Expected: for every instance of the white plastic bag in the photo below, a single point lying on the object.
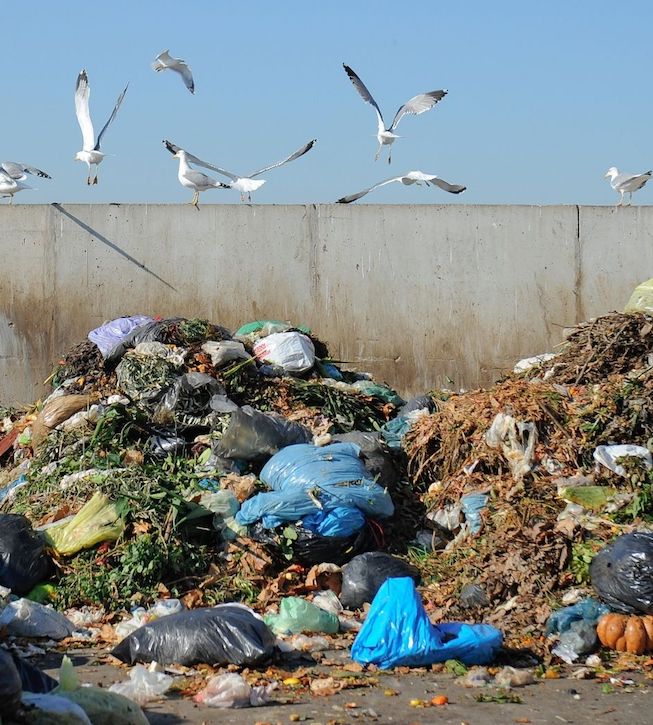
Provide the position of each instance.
(24, 618)
(517, 441)
(225, 351)
(292, 351)
(608, 455)
(143, 685)
(231, 690)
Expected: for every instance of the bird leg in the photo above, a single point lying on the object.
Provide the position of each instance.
(96, 173)
(630, 197)
(242, 196)
(196, 199)
(378, 153)
(389, 154)
(249, 198)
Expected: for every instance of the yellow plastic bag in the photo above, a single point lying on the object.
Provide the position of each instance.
(641, 299)
(96, 521)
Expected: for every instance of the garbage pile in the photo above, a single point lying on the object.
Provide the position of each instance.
(525, 482)
(173, 456)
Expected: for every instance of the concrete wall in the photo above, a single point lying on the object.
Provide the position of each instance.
(418, 295)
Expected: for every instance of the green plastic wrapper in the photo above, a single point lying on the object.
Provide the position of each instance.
(298, 615)
(641, 299)
(97, 521)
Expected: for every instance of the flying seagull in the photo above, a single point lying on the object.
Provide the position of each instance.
(626, 182)
(191, 178)
(412, 177)
(19, 171)
(164, 61)
(416, 105)
(10, 185)
(244, 184)
(90, 153)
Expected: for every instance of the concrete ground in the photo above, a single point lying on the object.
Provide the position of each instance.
(387, 699)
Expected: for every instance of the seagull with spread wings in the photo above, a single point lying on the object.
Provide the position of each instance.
(412, 177)
(244, 184)
(626, 183)
(18, 171)
(416, 105)
(164, 61)
(191, 178)
(90, 153)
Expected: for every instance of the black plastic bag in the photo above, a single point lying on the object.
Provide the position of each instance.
(10, 686)
(188, 400)
(32, 678)
(622, 573)
(23, 561)
(253, 435)
(418, 403)
(222, 635)
(378, 461)
(310, 548)
(363, 576)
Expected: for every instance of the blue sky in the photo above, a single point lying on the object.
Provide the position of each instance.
(543, 96)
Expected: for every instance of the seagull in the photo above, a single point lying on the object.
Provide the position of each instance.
(626, 182)
(164, 61)
(416, 105)
(244, 184)
(90, 153)
(412, 177)
(19, 171)
(10, 185)
(190, 178)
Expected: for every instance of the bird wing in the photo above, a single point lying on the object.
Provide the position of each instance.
(635, 181)
(173, 148)
(111, 117)
(159, 61)
(17, 170)
(82, 93)
(200, 179)
(418, 104)
(365, 95)
(184, 71)
(359, 194)
(300, 152)
(446, 186)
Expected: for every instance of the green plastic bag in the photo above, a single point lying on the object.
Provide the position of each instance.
(97, 521)
(297, 615)
(374, 390)
(641, 299)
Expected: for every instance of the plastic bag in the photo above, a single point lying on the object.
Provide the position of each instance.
(228, 633)
(144, 378)
(342, 521)
(32, 678)
(292, 351)
(641, 299)
(52, 709)
(225, 352)
(23, 561)
(622, 573)
(143, 686)
(587, 610)
(253, 435)
(307, 478)
(374, 390)
(98, 520)
(376, 458)
(188, 402)
(10, 686)
(516, 439)
(397, 631)
(297, 615)
(608, 456)
(107, 336)
(579, 639)
(231, 690)
(55, 411)
(262, 328)
(24, 618)
(365, 574)
(473, 505)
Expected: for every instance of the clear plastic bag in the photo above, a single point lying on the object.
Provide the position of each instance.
(24, 618)
(292, 351)
(143, 685)
(231, 690)
(297, 615)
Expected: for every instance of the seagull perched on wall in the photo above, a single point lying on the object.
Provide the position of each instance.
(412, 177)
(190, 177)
(626, 182)
(244, 184)
(416, 105)
(90, 153)
(164, 61)
(10, 185)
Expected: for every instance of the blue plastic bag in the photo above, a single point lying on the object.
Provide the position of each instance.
(394, 430)
(341, 521)
(472, 505)
(397, 631)
(587, 610)
(306, 479)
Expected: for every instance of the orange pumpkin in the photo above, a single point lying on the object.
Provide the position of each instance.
(626, 632)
